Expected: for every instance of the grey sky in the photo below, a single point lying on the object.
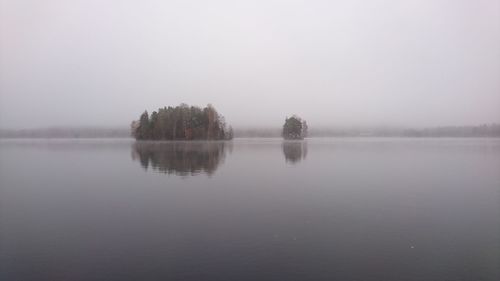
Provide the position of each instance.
(97, 62)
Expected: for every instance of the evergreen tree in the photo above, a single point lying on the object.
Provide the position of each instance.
(294, 128)
(143, 130)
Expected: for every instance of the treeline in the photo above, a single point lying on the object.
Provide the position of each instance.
(63, 132)
(182, 122)
(488, 130)
(484, 130)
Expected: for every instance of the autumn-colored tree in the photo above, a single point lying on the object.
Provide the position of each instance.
(181, 123)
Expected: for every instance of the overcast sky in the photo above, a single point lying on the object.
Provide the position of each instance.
(335, 63)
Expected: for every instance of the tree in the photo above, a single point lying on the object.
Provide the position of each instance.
(143, 130)
(181, 122)
(134, 128)
(294, 128)
(230, 133)
(153, 122)
(304, 129)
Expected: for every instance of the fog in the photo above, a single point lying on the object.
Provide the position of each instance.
(335, 63)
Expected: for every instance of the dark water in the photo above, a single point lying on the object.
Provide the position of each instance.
(325, 209)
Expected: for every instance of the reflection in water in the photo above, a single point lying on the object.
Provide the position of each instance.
(180, 158)
(387, 209)
(294, 151)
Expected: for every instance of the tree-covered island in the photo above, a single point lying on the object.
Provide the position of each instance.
(294, 128)
(182, 122)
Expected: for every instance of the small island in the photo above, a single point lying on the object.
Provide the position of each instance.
(182, 122)
(294, 128)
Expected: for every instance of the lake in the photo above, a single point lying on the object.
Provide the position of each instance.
(250, 209)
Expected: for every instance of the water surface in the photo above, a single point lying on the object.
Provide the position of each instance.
(256, 209)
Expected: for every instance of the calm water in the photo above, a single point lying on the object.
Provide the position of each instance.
(324, 209)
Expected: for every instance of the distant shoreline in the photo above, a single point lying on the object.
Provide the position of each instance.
(482, 131)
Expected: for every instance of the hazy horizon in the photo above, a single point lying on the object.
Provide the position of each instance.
(334, 63)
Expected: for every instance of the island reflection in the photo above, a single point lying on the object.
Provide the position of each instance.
(294, 151)
(180, 158)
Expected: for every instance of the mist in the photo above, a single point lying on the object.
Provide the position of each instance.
(335, 63)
